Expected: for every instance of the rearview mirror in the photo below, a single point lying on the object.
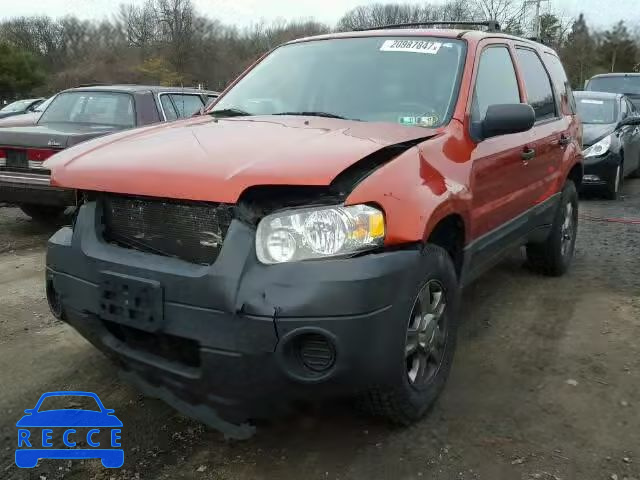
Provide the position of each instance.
(506, 119)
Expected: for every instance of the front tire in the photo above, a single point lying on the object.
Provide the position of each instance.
(553, 257)
(612, 190)
(46, 214)
(425, 358)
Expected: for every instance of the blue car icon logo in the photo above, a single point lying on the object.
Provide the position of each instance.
(57, 433)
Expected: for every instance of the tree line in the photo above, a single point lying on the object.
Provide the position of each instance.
(169, 42)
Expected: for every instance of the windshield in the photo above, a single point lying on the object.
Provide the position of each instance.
(628, 85)
(411, 81)
(19, 106)
(597, 110)
(42, 107)
(91, 108)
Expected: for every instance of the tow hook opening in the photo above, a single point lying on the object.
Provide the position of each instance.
(54, 300)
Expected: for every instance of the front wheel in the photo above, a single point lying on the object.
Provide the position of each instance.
(553, 257)
(425, 357)
(47, 214)
(612, 190)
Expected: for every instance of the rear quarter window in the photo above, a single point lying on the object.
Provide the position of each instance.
(561, 83)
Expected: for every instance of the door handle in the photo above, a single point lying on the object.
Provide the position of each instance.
(528, 154)
(565, 140)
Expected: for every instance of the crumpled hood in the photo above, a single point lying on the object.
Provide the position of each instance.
(216, 160)
(593, 133)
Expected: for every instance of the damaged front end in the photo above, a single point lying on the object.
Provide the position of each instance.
(174, 291)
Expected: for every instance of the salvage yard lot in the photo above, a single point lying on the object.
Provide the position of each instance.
(546, 381)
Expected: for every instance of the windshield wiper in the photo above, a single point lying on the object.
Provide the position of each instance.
(314, 114)
(230, 112)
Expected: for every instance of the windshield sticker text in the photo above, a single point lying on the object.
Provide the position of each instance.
(429, 121)
(413, 46)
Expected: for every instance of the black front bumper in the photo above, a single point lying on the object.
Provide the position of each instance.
(229, 332)
(32, 187)
(603, 167)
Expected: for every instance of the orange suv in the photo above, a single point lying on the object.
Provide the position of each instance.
(309, 234)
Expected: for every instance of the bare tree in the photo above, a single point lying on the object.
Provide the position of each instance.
(139, 24)
(377, 15)
(509, 13)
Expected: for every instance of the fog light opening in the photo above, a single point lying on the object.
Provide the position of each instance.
(309, 356)
(315, 352)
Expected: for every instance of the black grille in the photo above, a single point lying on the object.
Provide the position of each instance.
(191, 231)
(175, 349)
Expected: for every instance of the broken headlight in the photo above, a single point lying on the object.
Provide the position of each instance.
(320, 232)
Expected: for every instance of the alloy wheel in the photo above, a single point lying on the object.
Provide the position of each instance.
(426, 334)
(568, 230)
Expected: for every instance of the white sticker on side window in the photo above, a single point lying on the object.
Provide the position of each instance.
(593, 102)
(412, 46)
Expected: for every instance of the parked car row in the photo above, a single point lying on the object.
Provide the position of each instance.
(74, 116)
(20, 107)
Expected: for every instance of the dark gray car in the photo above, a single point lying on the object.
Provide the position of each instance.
(625, 83)
(611, 149)
(74, 116)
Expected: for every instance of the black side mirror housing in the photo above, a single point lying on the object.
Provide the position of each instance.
(508, 118)
(633, 121)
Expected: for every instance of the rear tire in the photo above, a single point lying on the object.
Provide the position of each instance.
(612, 190)
(430, 334)
(553, 257)
(46, 214)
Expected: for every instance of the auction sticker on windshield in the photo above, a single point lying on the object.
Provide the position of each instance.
(413, 46)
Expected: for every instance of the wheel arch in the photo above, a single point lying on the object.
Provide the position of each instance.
(450, 234)
(575, 175)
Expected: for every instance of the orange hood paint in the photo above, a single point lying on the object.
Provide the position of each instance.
(216, 160)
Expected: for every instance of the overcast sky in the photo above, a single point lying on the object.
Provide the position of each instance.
(245, 12)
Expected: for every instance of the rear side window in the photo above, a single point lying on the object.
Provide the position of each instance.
(186, 105)
(496, 82)
(561, 82)
(180, 105)
(538, 84)
(167, 106)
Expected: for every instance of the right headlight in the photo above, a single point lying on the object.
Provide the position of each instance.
(319, 232)
(599, 148)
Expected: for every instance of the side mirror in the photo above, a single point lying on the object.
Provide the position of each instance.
(633, 121)
(508, 118)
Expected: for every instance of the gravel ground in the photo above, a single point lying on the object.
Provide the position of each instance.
(546, 381)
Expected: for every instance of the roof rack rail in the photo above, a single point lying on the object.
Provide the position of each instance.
(90, 85)
(492, 25)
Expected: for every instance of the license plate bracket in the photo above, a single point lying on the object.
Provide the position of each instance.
(17, 159)
(131, 301)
